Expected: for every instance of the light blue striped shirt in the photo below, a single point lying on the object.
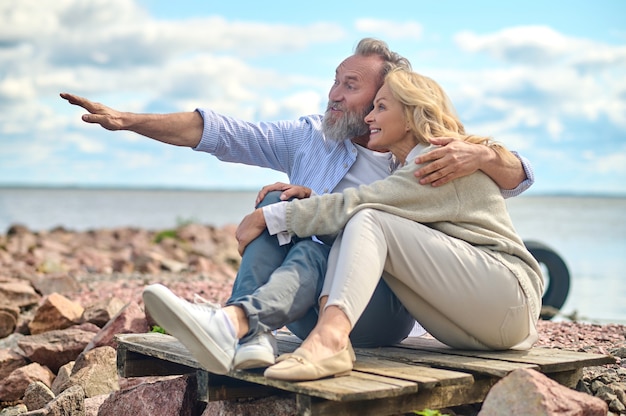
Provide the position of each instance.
(296, 147)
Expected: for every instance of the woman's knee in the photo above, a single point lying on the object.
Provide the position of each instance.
(362, 218)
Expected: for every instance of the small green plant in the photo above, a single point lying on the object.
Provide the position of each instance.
(162, 235)
(429, 412)
(156, 328)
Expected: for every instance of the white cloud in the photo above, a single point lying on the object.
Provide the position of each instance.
(613, 163)
(83, 143)
(555, 128)
(528, 44)
(545, 79)
(582, 78)
(387, 29)
(296, 105)
(102, 33)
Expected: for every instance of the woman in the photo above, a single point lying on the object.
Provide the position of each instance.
(450, 253)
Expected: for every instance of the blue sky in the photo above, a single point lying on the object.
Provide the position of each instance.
(547, 79)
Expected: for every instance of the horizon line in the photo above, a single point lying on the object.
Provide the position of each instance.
(245, 189)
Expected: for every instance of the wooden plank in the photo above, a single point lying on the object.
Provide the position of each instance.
(426, 377)
(568, 378)
(161, 346)
(547, 359)
(357, 386)
(436, 398)
(213, 387)
(133, 364)
(475, 365)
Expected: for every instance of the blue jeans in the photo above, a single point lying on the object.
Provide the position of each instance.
(279, 286)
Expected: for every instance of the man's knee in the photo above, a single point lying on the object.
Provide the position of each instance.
(308, 251)
(271, 198)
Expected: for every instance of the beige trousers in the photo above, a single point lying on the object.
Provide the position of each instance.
(461, 295)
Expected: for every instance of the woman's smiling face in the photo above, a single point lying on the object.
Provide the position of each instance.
(388, 125)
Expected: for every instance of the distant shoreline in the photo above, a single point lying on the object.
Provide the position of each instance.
(124, 188)
(528, 194)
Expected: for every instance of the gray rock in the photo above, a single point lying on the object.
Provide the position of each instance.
(37, 396)
(96, 372)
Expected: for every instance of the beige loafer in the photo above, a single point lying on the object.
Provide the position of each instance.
(298, 366)
(287, 355)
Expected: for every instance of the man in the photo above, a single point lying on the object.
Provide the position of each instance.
(278, 285)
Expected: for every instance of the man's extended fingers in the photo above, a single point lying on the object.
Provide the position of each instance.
(73, 99)
(81, 102)
(93, 118)
(429, 169)
(435, 174)
(293, 192)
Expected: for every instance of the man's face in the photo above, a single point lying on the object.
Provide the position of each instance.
(357, 80)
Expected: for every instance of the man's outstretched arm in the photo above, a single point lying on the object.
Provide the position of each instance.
(179, 129)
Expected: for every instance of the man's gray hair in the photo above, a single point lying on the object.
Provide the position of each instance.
(391, 60)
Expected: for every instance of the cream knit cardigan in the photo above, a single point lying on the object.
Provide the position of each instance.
(470, 208)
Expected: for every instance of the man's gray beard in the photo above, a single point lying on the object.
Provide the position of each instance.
(349, 126)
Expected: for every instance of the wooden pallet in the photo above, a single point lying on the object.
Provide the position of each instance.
(417, 374)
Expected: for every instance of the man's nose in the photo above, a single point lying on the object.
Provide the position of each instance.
(335, 94)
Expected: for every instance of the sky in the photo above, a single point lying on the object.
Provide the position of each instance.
(545, 78)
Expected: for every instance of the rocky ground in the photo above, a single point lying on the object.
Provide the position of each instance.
(86, 267)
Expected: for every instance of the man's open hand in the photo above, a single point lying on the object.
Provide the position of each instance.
(100, 114)
(454, 159)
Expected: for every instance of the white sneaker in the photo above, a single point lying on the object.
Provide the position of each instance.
(259, 352)
(201, 327)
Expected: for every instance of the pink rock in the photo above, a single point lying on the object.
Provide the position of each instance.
(55, 282)
(20, 242)
(10, 361)
(101, 312)
(130, 320)
(201, 265)
(92, 404)
(13, 387)
(88, 326)
(18, 294)
(94, 260)
(55, 348)
(175, 396)
(56, 312)
(8, 320)
(62, 380)
(529, 393)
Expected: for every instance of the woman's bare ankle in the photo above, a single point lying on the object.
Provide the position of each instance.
(325, 342)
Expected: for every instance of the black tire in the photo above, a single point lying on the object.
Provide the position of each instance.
(557, 279)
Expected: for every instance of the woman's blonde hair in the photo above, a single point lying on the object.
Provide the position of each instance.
(428, 110)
